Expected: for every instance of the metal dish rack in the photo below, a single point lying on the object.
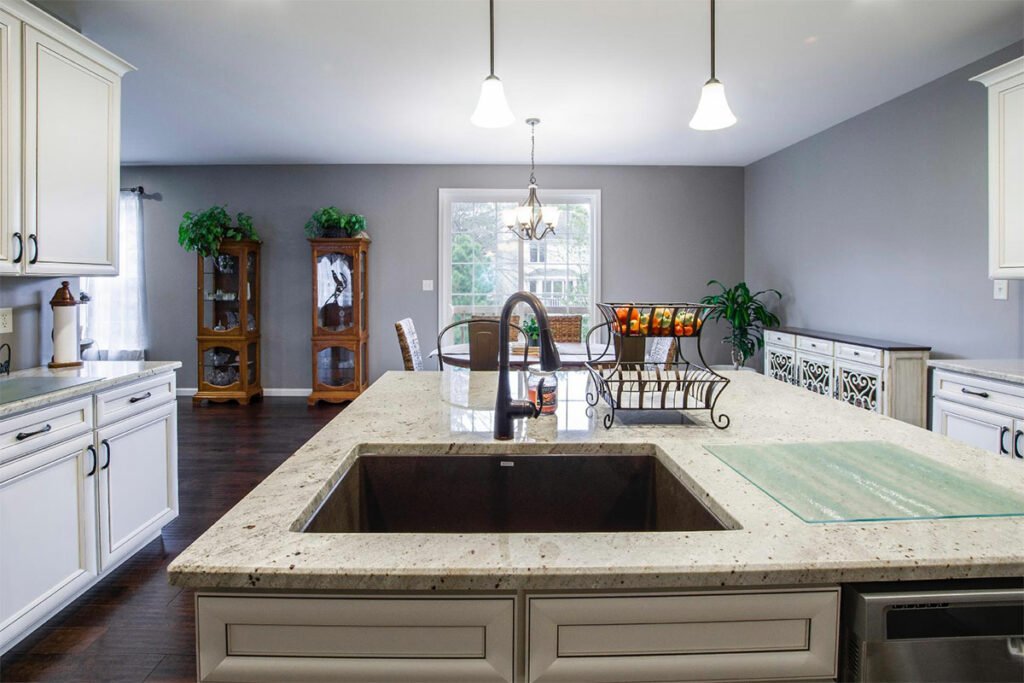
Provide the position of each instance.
(677, 384)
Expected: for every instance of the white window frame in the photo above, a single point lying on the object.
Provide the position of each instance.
(446, 196)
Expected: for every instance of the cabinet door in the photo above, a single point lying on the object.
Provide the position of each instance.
(859, 385)
(780, 363)
(1006, 178)
(979, 428)
(11, 238)
(814, 373)
(47, 532)
(72, 157)
(138, 481)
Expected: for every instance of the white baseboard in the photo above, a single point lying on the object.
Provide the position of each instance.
(283, 392)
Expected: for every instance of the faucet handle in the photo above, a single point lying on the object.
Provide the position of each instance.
(539, 405)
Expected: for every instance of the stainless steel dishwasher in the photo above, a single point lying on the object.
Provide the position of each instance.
(934, 631)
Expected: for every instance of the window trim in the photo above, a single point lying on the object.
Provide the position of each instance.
(448, 195)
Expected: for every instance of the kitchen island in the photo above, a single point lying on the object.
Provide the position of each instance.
(787, 570)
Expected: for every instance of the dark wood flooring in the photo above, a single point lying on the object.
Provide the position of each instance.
(133, 625)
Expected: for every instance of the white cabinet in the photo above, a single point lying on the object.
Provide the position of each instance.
(60, 129)
(1005, 168)
(979, 428)
(138, 492)
(889, 378)
(47, 533)
(982, 412)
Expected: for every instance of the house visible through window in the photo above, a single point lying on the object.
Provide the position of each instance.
(482, 262)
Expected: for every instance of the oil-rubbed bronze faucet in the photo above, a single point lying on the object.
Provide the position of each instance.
(506, 410)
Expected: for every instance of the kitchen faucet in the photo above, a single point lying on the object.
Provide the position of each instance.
(506, 410)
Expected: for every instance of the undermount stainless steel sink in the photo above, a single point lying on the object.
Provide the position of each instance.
(509, 494)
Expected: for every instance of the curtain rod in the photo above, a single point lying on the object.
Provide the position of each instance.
(137, 188)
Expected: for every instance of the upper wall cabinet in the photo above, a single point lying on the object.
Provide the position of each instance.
(1005, 168)
(60, 155)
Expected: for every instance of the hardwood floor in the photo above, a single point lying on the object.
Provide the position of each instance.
(133, 625)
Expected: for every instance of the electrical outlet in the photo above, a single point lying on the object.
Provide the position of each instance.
(999, 288)
(6, 321)
(428, 285)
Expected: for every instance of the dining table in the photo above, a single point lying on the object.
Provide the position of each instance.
(572, 354)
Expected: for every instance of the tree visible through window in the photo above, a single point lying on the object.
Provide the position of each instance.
(487, 263)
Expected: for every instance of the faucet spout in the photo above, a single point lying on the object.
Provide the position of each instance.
(506, 410)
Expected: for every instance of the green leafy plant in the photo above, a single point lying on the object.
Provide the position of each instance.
(747, 316)
(531, 329)
(330, 222)
(204, 231)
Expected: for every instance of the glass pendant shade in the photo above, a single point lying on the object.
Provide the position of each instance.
(508, 217)
(549, 215)
(492, 109)
(713, 112)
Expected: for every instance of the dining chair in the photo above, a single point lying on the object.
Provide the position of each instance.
(483, 342)
(566, 328)
(661, 351)
(409, 343)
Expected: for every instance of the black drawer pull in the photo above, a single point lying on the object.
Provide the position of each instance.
(25, 435)
(21, 247)
(106, 444)
(1003, 450)
(136, 399)
(972, 392)
(1016, 444)
(95, 460)
(35, 250)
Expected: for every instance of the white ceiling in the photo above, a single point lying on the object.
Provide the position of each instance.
(614, 81)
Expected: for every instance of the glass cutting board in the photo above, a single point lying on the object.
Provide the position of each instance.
(862, 481)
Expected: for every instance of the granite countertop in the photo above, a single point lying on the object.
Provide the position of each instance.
(871, 342)
(258, 544)
(1005, 369)
(103, 375)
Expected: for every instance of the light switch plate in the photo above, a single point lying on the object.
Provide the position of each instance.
(999, 288)
(6, 321)
(428, 285)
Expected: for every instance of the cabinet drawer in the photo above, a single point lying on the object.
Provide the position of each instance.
(779, 338)
(976, 391)
(278, 639)
(860, 354)
(131, 399)
(814, 345)
(687, 637)
(37, 429)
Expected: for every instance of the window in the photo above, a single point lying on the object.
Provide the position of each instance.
(482, 263)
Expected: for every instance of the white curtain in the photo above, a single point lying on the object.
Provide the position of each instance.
(116, 316)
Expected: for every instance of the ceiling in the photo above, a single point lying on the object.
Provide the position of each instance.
(614, 81)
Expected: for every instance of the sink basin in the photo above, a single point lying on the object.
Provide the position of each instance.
(509, 494)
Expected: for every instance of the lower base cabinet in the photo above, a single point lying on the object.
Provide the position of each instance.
(981, 412)
(698, 636)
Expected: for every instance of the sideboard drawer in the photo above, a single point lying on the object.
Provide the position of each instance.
(779, 338)
(36, 429)
(131, 399)
(687, 637)
(822, 346)
(293, 638)
(860, 354)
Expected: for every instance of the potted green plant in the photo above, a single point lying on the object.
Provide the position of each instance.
(330, 222)
(747, 316)
(204, 231)
(532, 331)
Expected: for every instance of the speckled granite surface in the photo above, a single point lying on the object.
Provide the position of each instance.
(257, 544)
(105, 373)
(1005, 369)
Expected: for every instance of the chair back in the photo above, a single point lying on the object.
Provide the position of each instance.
(661, 351)
(484, 345)
(409, 344)
(566, 328)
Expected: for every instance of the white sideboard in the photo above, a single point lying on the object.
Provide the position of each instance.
(1005, 168)
(60, 147)
(885, 377)
(84, 483)
(984, 410)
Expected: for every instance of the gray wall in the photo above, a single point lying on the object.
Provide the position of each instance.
(31, 342)
(665, 232)
(878, 226)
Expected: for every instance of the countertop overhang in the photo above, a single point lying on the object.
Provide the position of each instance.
(258, 545)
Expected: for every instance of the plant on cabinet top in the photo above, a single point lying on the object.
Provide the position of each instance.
(204, 231)
(330, 222)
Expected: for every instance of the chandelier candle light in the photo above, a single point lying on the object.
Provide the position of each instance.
(713, 112)
(491, 109)
(531, 220)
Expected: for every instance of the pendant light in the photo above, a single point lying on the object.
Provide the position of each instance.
(491, 109)
(713, 111)
(531, 220)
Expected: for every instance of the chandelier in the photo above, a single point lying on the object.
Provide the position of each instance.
(531, 220)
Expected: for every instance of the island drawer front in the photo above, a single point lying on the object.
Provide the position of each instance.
(860, 354)
(822, 346)
(131, 399)
(29, 432)
(684, 637)
(315, 638)
(980, 392)
(779, 338)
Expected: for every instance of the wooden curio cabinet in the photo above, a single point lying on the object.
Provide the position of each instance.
(228, 337)
(340, 326)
